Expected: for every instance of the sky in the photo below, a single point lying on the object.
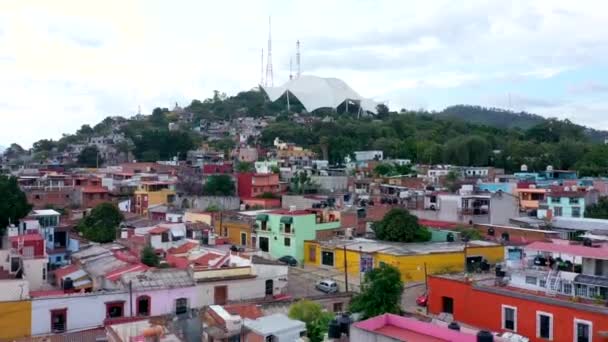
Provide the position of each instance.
(68, 63)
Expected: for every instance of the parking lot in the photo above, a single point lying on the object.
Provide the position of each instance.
(302, 280)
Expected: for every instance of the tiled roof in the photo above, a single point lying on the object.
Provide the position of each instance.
(117, 273)
(94, 190)
(64, 271)
(249, 311)
(206, 259)
(26, 237)
(158, 230)
(183, 248)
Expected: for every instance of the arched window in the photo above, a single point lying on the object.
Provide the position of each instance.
(143, 305)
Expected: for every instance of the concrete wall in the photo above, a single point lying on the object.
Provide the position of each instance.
(16, 319)
(331, 183)
(203, 202)
(34, 271)
(14, 290)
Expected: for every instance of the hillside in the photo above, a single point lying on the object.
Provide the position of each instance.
(505, 119)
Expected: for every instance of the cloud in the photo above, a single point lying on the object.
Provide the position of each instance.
(587, 88)
(67, 63)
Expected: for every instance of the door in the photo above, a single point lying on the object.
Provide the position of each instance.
(269, 287)
(327, 258)
(264, 244)
(220, 295)
(181, 306)
(243, 239)
(448, 304)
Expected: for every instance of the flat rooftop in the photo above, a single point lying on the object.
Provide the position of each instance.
(399, 248)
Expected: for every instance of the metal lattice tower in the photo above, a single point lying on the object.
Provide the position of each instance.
(298, 59)
(269, 75)
(290, 70)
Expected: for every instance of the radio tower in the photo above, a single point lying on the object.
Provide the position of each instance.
(290, 70)
(269, 76)
(262, 69)
(298, 59)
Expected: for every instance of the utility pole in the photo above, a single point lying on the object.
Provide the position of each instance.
(131, 297)
(426, 289)
(345, 270)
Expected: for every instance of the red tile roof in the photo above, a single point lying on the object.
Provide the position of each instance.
(206, 259)
(438, 224)
(117, 273)
(64, 271)
(183, 248)
(94, 190)
(250, 311)
(287, 212)
(158, 230)
(574, 250)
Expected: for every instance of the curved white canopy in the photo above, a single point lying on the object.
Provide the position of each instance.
(318, 92)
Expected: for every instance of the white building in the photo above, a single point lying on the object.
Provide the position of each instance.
(363, 156)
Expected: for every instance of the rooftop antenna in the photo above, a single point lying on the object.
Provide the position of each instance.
(262, 69)
(290, 72)
(298, 59)
(269, 76)
(139, 110)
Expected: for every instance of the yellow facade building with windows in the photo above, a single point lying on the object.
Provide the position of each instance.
(16, 319)
(410, 258)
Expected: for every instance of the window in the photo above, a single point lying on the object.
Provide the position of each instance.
(244, 239)
(581, 290)
(576, 212)
(542, 283)
(143, 306)
(269, 287)
(573, 200)
(164, 237)
(509, 318)
(531, 280)
(567, 288)
(115, 309)
(555, 199)
(181, 306)
(557, 211)
(338, 307)
(544, 325)
(312, 253)
(583, 331)
(43, 272)
(59, 320)
(264, 225)
(287, 242)
(592, 291)
(287, 228)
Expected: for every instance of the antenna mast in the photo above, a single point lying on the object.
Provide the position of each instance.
(298, 59)
(269, 76)
(290, 72)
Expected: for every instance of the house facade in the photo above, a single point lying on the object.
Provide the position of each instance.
(283, 232)
(152, 193)
(566, 203)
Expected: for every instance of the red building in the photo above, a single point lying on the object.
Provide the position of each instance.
(528, 313)
(94, 195)
(217, 168)
(29, 245)
(255, 184)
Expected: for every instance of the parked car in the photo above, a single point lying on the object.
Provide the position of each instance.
(288, 260)
(422, 300)
(327, 286)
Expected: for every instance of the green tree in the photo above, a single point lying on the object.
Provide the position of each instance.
(316, 318)
(219, 185)
(149, 257)
(400, 226)
(101, 224)
(301, 183)
(159, 118)
(380, 292)
(384, 169)
(598, 210)
(451, 181)
(89, 157)
(275, 169)
(244, 167)
(13, 202)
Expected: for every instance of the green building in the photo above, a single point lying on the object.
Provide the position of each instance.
(283, 232)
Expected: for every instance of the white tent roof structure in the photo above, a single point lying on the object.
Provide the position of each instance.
(318, 92)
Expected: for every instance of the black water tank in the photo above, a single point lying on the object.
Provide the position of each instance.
(334, 329)
(587, 243)
(68, 283)
(485, 336)
(454, 326)
(345, 321)
(450, 237)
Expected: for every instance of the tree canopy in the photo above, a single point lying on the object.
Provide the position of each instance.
(316, 318)
(149, 257)
(380, 292)
(13, 202)
(219, 185)
(598, 210)
(89, 157)
(400, 226)
(101, 224)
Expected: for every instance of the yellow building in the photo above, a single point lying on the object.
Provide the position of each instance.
(194, 215)
(151, 193)
(16, 319)
(410, 258)
(238, 232)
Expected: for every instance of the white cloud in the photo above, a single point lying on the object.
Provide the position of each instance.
(65, 63)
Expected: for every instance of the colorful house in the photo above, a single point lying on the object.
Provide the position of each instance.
(566, 202)
(237, 228)
(152, 193)
(529, 196)
(410, 258)
(283, 232)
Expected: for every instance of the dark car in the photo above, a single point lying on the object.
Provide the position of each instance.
(288, 260)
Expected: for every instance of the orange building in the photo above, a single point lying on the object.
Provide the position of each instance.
(529, 197)
(528, 313)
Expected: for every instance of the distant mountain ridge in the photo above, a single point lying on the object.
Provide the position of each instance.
(506, 119)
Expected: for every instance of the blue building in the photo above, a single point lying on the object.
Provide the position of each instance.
(566, 203)
(59, 246)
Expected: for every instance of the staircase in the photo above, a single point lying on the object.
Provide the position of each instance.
(553, 283)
